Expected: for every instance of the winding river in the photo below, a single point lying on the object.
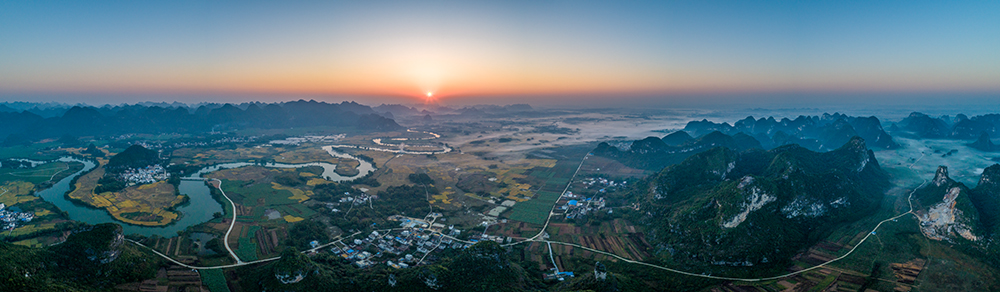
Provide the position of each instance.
(198, 210)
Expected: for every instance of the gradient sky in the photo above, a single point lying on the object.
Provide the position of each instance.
(126, 51)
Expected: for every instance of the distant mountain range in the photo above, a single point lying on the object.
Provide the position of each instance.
(727, 208)
(655, 153)
(26, 126)
(817, 133)
(919, 125)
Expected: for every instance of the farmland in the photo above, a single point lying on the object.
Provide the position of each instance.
(247, 245)
(147, 205)
(554, 181)
(214, 280)
(52, 171)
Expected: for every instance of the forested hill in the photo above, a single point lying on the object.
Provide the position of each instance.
(134, 156)
(24, 127)
(753, 208)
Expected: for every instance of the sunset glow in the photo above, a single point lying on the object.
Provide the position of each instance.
(496, 48)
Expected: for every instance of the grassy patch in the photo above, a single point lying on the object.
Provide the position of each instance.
(256, 194)
(295, 210)
(214, 280)
(536, 210)
(36, 175)
(248, 247)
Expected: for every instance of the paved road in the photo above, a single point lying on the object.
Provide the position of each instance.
(231, 224)
(238, 263)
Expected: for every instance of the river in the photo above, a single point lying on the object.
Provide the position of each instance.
(197, 210)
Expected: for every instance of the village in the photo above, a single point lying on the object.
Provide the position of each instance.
(144, 175)
(12, 218)
(408, 245)
(572, 205)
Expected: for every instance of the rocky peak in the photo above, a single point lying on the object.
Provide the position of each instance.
(857, 144)
(990, 178)
(941, 176)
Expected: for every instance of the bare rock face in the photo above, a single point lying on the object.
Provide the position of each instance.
(946, 211)
(939, 221)
(941, 176)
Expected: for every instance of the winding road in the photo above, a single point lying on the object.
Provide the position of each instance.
(231, 224)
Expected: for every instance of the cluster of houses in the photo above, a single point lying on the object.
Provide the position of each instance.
(144, 175)
(299, 140)
(11, 219)
(219, 141)
(213, 142)
(602, 184)
(349, 199)
(573, 206)
(405, 246)
(375, 248)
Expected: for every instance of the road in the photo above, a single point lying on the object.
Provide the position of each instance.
(552, 211)
(231, 224)
(238, 262)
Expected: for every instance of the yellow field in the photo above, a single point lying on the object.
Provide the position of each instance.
(292, 219)
(16, 192)
(443, 197)
(317, 181)
(302, 154)
(152, 199)
(211, 156)
(297, 194)
(32, 242)
(85, 185)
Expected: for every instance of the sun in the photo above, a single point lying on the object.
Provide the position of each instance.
(430, 94)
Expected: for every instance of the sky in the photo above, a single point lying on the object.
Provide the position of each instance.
(600, 52)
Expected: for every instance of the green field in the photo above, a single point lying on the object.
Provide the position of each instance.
(36, 175)
(248, 247)
(214, 280)
(296, 210)
(250, 195)
(555, 180)
(536, 210)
